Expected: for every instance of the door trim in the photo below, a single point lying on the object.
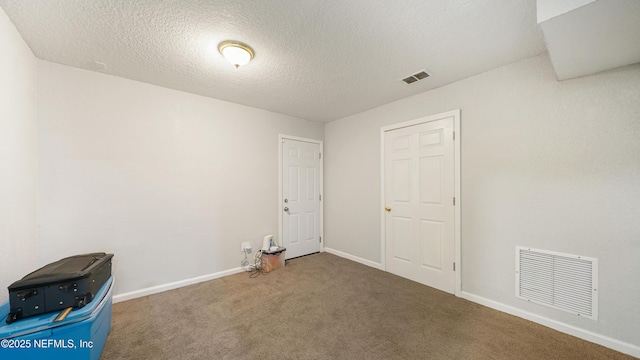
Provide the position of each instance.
(281, 138)
(456, 191)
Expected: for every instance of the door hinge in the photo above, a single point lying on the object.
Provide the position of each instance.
(454, 266)
(454, 201)
(320, 239)
(454, 136)
(320, 197)
(319, 155)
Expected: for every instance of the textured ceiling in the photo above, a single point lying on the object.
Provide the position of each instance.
(317, 60)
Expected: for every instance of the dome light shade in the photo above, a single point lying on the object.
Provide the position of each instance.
(236, 53)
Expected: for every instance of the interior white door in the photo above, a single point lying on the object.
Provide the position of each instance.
(300, 197)
(419, 190)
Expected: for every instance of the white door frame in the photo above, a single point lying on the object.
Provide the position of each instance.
(456, 191)
(281, 138)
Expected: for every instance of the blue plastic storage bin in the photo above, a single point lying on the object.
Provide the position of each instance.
(81, 335)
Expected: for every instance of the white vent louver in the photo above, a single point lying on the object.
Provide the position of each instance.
(562, 281)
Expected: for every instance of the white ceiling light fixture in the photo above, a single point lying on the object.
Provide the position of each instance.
(235, 52)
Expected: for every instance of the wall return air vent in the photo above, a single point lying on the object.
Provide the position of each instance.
(415, 77)
(561, 281)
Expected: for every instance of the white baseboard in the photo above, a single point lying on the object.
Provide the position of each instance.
(606, 341)
(174, 285)
(354, 258)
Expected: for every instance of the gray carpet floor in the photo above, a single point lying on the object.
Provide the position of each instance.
(325, 307)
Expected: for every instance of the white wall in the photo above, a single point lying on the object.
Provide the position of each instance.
(546, 164)
(18, 151)
(169, 182)
(547, 9)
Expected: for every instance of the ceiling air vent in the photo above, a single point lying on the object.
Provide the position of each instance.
(415, 77)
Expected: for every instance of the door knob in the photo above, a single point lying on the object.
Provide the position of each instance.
(286, 208)
(388, 209)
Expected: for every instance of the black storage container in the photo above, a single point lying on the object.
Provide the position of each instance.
(70, 282)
